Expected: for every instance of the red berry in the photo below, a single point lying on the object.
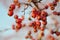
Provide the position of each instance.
(42, 33)
(58, 13)
(44, 22)
(46, 6)
(33, 15)
(38, 13)
(27, 37)
(54, 3)
(57, 33)
(35, 30)
(38, 23)
(55, 13)
(52, 7)
(33, 23)
(18, 26)
(50, 37)
(34, 27)
(43, 18)
(42, 29)
(29, 33)
(12, 6)
(43, 13)
(39, 17)
(16, 16)
(19, 20)
(30, 37)
(10, 13)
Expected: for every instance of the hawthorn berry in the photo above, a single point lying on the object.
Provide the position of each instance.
(39, 17)
(16, 16)
(54, 3)
(43, 13)
(42, 28)
(35, 30)
(10, 13)
(29, 33)
(55, 13)
(18, 26)
(44, 22)
(43, 18)
(57, 33)
(12, 7)
(46, 7)
(19, 20)
(33, 14)
(52, 7)
(38, 23)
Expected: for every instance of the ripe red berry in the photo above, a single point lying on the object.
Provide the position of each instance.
(57, 33)
(43, 13)
(58, 13)
(35, 30)
(33, 15)
(12, 6)
(50, 37)
(39, 17)
(10, 13)
(44, 22)
(38, 23)
(29, 33)
(52, 32)
(34, 12)
(18, 26)
(52, 7)
(43, 18)
(33, 23)
(19, 20)
(16, 16)
(30, 37)
(46, 6)
(27, 37)
(34, 27)
(55, 13)
(42, 29)
(42, 33)
(54, 3)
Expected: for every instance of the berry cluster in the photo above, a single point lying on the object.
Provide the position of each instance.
(39, 15)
